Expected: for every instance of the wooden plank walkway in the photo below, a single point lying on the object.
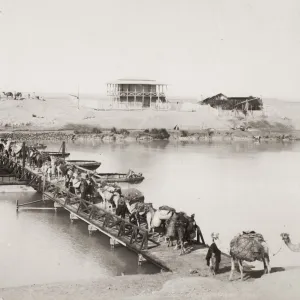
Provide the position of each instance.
(137, 239)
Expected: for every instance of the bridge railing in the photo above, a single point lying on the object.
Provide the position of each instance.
(136, 235)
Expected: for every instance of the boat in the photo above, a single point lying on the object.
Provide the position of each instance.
(56, 154)
(129, 177)
(39, 146)
(91, 165)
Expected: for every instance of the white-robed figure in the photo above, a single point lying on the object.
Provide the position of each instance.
(76, 182)
(44, 170)
(7, 146)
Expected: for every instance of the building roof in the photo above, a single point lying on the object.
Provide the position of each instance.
(136, 81)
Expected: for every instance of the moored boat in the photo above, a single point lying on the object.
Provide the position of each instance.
(39, 146)
(91, 165)
(56, 154)
(129, 177)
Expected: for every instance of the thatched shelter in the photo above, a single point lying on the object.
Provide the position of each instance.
(231, 103)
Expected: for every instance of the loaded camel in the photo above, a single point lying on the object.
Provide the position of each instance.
(249, 246)
(293, 247)
(180, 227)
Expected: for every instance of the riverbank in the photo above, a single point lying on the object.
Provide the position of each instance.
(279, 285)
(62, 120)
(148, 135)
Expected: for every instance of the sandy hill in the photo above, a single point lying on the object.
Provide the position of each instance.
(57, 113)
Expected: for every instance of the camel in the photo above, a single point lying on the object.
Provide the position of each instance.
(37, 159)
(18, 95)
(293, 247)
(249, 246)
(109, 195)
(8, 94)
(154, 218)
(140, 211)
(179, 228)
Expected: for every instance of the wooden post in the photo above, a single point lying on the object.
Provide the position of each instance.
(63, 149)
(23, 158)
(127, 99)
(17, 205)
(135, 96)
(143, 95)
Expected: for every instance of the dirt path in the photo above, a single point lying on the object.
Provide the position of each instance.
(279, 285)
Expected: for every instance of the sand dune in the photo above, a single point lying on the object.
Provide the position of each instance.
(57, 113)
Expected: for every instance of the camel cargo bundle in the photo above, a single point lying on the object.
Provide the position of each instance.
(168, 208)
(133, 195)
(171, 227)
(247, 246)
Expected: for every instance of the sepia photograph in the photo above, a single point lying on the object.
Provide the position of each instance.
(149, 149)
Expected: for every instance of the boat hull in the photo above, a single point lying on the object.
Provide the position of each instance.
(89, 165)
(56, 154)
(120, 177)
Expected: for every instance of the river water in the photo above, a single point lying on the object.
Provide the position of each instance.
(230, 187)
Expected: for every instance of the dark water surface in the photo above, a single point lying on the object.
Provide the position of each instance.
(230, 187)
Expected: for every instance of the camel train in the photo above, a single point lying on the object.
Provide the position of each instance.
(15, 96)
(174, 226)
(177, 227)
(19, 96)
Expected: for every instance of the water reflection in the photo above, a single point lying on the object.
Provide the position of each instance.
(230, 186)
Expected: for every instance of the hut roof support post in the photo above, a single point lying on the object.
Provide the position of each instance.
(150, 97)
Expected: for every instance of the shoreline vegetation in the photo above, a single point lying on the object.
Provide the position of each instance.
(253, 131)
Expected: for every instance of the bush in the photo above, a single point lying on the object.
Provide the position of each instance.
(124, 131)
(147, 131)
(33, 115)
(81, 128)
(121, 131)
(154, 131)
(96, 130)
(184, 133)
(159, 134)
(114, 130)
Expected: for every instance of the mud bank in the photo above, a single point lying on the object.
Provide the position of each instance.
(159, 134)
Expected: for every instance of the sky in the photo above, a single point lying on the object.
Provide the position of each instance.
(199, 48)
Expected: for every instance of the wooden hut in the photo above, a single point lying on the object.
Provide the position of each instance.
(230, 103)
